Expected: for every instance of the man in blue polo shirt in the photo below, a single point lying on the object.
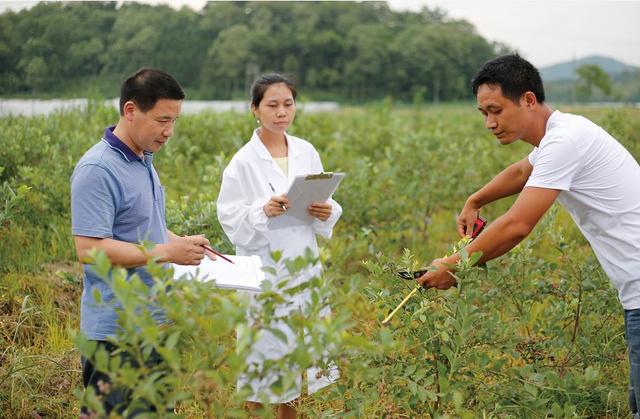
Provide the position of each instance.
(117, 202)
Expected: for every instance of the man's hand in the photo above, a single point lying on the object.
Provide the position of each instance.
(508, 182)
(467, 218)
(183, 250)
(188, 250)
(441, 278)
(277, 205)
(320, 210)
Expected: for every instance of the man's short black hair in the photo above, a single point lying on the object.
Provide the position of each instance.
(513, 74)
(148, 85)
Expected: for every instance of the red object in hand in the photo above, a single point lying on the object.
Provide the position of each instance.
(478, 226)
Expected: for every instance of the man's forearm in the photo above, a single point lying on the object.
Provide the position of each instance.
(496, 240)
(510, 229)
(508, 182)
(500, 237)
(120, 253)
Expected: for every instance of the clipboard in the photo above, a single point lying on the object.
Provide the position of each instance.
(244, 274)
(304, 190)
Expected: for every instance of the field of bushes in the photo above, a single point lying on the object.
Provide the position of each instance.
(537, 333)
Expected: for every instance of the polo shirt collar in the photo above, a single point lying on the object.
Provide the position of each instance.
(117, 144)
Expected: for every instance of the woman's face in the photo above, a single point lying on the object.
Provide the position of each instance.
(277, 109)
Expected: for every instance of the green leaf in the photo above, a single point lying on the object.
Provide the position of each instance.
(279, 334)
(172, 340)
(590, 374)
(86, 347)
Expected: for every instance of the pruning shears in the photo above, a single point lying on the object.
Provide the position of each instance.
(477, 229)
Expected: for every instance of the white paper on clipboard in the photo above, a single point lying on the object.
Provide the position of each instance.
(304, 190)
(244, 274)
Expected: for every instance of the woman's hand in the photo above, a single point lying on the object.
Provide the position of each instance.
(277, 205)
(320, 210)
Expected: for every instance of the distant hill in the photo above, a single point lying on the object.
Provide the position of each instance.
(565, 71)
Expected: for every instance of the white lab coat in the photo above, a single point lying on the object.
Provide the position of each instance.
(244, 191)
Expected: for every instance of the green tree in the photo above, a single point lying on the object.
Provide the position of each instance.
(85, 56)
(334, 49)
(592, 77)
(217, 16)
(134, 39)
(9, 53)
(441, 57)
(366, 72)
(323, 61)
(36, 73)
(227, 60)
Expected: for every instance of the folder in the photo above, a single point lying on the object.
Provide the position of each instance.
(304, 190)
(244, 274)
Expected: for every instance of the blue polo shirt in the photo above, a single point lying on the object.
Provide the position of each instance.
(114, 194)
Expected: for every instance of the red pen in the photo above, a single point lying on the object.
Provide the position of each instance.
(218, 254)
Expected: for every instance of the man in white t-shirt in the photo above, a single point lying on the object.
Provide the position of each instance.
(574, 161)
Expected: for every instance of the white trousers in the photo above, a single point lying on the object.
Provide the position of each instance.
(270, 347)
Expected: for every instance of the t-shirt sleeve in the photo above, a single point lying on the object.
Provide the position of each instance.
(94, 199)
(533, 156)
(555, 164)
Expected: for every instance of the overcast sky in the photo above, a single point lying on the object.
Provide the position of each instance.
(543, 31)
(550, 31)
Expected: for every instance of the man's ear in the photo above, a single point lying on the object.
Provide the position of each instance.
(128, 110)
(529, 99)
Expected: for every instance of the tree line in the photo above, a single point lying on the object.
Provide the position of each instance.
(335, 50)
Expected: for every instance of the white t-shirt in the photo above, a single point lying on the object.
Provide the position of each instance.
(599, 182)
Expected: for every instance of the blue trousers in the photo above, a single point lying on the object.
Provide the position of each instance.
(632, 331)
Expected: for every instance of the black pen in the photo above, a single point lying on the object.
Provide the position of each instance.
(274, 191)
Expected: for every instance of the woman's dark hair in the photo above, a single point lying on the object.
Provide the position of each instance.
(513, 74)
(148, 85)
(262, 83)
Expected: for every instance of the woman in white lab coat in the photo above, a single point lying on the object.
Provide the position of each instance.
(251, 200)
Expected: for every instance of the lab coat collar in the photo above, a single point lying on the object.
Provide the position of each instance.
(257, 144)
(293, 154)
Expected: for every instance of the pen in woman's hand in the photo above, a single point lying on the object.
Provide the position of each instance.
(274, 191)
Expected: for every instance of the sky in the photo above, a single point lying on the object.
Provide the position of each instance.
(550, 31)
(543, 31)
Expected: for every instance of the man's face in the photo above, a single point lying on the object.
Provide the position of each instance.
(504, 118)
(152, 129)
